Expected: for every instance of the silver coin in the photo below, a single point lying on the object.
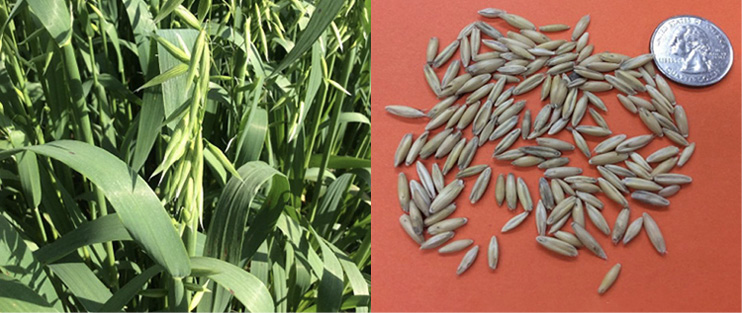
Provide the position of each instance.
(691, 50)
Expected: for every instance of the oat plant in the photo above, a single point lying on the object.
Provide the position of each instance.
(183, 155)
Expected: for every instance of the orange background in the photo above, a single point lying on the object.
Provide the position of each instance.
(701, 270)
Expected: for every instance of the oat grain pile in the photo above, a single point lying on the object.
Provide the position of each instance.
(486, 73)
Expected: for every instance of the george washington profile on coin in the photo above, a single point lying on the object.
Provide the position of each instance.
(692, 45)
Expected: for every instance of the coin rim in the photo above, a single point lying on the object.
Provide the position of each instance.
(731, 55)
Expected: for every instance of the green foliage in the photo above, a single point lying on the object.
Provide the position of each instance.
(109, 111)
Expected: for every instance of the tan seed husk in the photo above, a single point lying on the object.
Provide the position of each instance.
(420, 197)
(546, 87)
(675, 137)
(664, 88)
(581, 179)
(647, 77)
(588, 240)
(446, 54)
(491, 12)
(609, 144)
(566, 187)
(638, 170)
(611, 192)
(403, 192)
(493, 253)
(456, 117)
(561, 172)
(578, 213)
(479, 93)
(541, 218)
(517, 21)
(535, 36)
(437, 240)
(448, 144)
(566, 47)
(514, 222)
(511, 111)
(474, 83)
(545, 192)
(638, 61)
(402, 149)
(579, 111)
(654, 233)
(416, 218)
(450, 73)
(650, 198)
(447, 195)
(586, 187)
(541, 151)
(620, 85)
(681, 120)
(432, 78)
(482, 117)
(450, 224)
(468, 153)
(471, 171)
(630, 80)
(526, 161)
(558, 225)
(588, 73)
(404, 111)
(441, 106)
(441, 118)
(568, 238)
(609, 278)
(598, 118)
(652, 124)
(665, 122)
(664, 167)
(434, 143)
(440, 215)
(406, 224)
(511, 195)
(634, 228)
(453, 156)
(432, 50)
(589, 198)
(580, 27)
(464, 50)
(524, 196)
(510, 155)
(485, 66)
(561, 209)
(582, 41)
(555, 144)
(466, 30)
(487, 131)
(541, 119)
(585, 52)
(555, 162)
(581, 143)
(521, 52)
(558, 126)
(591, 130)
(488, 30)
(596, 86)
(437, 177)
(500, 189)
(612, 179)
(480, 186)
(557, 191)
(455, 246)
(561, 68)
(634, 143)
(668, 191)
(608, 158)
(526, 124)
(597, 218)
(529, 84)
(468, 260)
(512, 69)
(602, 66)
(622, 221)
(566, 57)
(455, 84)
(508, 141)
(641, 184)
(551, 28)
(415, 148)
(595, 100)
(627, 103)
(557, 246)
(551, 44)
(663, 154)
(425, 179)
(541, 52)
(672, 179)
(686, 154)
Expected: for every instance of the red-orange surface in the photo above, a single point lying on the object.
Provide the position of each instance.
(701, 270)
